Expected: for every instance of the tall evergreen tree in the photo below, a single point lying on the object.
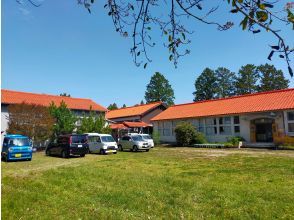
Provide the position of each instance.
(225, 82)
(205, 86)
(124, 106)
(142, 102)
(112, 106)
(159, 89)
(271, 78)
(247, 80)
(64, 119)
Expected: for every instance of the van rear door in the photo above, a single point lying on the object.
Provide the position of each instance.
(79, 144)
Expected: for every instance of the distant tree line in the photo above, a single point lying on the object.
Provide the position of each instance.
(220, 83)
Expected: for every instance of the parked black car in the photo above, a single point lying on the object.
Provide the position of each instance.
(67, 145)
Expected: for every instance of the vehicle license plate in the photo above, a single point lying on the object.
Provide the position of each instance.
(80, 145)
(110, 151)
(17, 155)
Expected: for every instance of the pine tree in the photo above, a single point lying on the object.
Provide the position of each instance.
(271, 78)
(64, 119)
(112, 106)
(225, 82)
(205, 85)
(247, 80)
(159, 89)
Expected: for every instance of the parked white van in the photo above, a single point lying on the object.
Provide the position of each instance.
(101, 143)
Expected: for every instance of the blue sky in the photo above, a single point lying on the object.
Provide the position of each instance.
(60, 47)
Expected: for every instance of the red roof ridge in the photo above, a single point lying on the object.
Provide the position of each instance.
(44, 94)
(56, 97)
(235, 96)
(134, 106)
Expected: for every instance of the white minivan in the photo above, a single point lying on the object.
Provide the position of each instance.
(101, 143)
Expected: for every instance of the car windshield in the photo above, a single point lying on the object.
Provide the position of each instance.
(19, 142)
(137, 138)
(146, 137)
(107, 139)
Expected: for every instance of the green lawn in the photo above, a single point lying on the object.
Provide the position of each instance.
(165, 183)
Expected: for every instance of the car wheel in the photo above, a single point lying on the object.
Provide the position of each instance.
(64, 154)
(135, 148)
(6, 158)
(82, 155)
(29, 159)
(120, 148)
(147, 150)
(47, 153)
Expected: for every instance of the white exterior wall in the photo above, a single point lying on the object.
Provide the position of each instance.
(165, 128)
(4, 121)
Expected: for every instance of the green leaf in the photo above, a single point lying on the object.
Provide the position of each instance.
(244, 23)
(261, 16)
(145, 65)
(170, 57)
(261, 6)
(184, 37)
(170, 38)
(234, 10)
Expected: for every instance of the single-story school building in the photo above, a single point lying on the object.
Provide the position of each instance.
(259, 117)
(134, 118)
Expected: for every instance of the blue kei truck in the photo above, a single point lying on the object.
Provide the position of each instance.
(16, 147)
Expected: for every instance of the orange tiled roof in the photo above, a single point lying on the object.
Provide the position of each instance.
(118, 126)
(140, 124)
(132, 111)
(130, 124)
(257, 102)
(15, 97)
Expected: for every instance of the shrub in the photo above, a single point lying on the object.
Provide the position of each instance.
(235, 140)
(186, 134)
(156, 137)
(200, 138)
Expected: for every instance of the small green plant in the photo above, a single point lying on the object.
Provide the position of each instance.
(235, 140)
(156, 137)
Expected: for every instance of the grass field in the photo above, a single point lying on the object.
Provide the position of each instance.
(165, 183)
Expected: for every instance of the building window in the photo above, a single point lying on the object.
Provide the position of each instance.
(290, 116)
(236, 120)
(227, 120)
(237, 129)
(200, 126)
(225, 125)
(290, 119)
(211, 128)
(166, 128)
(226, 130)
